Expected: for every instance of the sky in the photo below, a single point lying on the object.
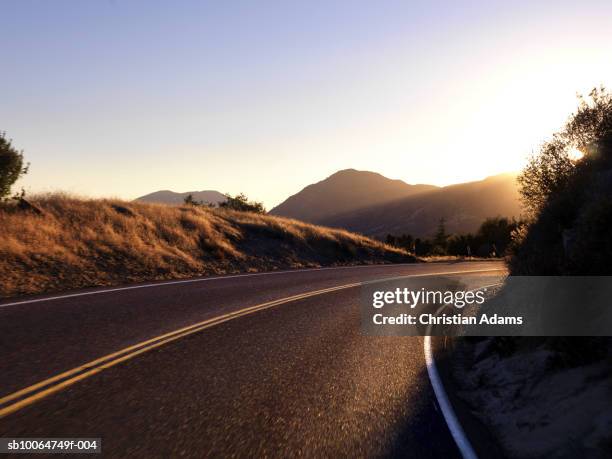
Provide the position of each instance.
(122, 98)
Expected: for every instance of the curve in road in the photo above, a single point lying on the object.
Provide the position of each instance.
(321, 386)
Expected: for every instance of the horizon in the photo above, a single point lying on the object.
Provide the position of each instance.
(266, 99)
(512, 173)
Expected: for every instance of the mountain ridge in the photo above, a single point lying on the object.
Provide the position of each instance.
(464, 206)
(345, 190)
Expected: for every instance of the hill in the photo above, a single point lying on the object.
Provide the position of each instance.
(342, 192)
(75, 243)
(171, 197)
(463, 206)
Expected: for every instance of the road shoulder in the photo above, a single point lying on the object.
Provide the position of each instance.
(479, 435)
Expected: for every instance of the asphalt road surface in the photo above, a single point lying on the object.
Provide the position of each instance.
(290, 379)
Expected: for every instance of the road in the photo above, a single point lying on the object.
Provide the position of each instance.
(288, 379)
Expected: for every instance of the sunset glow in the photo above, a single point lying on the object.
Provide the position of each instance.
(201, 98)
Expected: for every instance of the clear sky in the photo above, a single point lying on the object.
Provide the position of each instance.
(122, 98)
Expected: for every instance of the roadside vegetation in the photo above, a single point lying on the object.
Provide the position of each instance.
(493, 239)
(70, 242)
(550, 396)
(567, 188)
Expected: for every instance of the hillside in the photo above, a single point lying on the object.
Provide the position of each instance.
(79, 243)
(342, 192)
(463, 206)
(171, 197)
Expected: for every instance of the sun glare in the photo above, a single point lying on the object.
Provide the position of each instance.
(575, 154)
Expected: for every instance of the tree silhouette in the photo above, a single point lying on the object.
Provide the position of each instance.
(11, 166)
(440, 240)
(589, 130)
(241, 202)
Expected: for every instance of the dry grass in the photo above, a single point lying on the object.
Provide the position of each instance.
(79, 243)
(450, 258)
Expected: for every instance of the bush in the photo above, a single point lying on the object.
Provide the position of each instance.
(497, 232)
(462, 245)
(552, 171)
(11, 166)
(571, 213)
(241, 203)
(191, 201)
(568, 198)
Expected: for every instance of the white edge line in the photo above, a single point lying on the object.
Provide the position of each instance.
(253, 309)
(203, 279)
(457, 432)
(188, 281)
(449, 415)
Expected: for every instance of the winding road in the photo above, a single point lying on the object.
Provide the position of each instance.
(255, 365)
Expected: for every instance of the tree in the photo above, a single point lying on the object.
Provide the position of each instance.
(497, 232)
(569, 198)
(190, 201)
(440, 240)
(571, 214)
(11, 166)
(589, 130)
(423, 247)
(545, 174)
(241, 203)
(462, 244)
(406, 241)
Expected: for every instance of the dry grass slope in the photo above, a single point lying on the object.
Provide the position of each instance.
(79, 243)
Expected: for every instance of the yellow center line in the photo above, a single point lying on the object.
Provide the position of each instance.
(70, 377)
(110, 360)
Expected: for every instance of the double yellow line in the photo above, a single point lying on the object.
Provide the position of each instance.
(38, 391)
(31, 394)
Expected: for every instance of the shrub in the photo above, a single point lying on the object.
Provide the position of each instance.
(458, 244)
(568, 198)
(11, 166)
(191, 201)
(549, 173)
(241, 203)
(571, 213)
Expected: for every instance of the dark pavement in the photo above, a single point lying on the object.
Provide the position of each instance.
(296, 379)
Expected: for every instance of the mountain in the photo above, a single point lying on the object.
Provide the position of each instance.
(345, 191)
(171, 197)
(463, 206)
